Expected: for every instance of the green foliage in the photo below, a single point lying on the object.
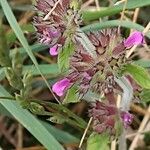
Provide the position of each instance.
(31, 123)
(11, 36)
(72, 95)
(45, 133)
(24, 103)
(36, 108)
(75, 4)
(143, 63)
(60, 135)
(114, 23)
(118, 127)
(145, 95)
(131, 4)
(14, 79)
(4, 51)
(139, 74)
(17, 62)
(65, 53)
(27, 82)
(57, 119)
(19, 34)
(98, 142)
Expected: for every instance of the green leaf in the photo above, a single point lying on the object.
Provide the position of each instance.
(72, 95)
(60, 135)
(63, 57)
(14, 79)
(145, 95)
(98, 142)
(36, 108)
(34, 48)
(17, 62)
(2, 73)
(57, 119)
(139, 74)
(4, 50)
(51, 69)
(11, 37)
(31, 123)
(114, 23)
(131, 4)
(143, 63)
(13, 23)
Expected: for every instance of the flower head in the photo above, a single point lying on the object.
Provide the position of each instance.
(52, 21)
(136, 38)
(61, 86)
(48, 34)
(106, 116)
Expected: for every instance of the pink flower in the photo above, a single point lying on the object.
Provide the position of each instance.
(54, 50)
(136, 38)
(127, 118)
(60, 87)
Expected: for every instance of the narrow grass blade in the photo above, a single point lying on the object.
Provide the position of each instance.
(13, 23)
(114, 23)
(31, 123)
(131, 4)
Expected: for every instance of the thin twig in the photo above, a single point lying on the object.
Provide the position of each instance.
(97, 7)
(141, 128)
(84, 134)
(46, 17)
(138, 109)
(135, 16)
(122, 13)
(20, 136)
(134, 134)
(113, 145)
(87, 4)
(44, 58)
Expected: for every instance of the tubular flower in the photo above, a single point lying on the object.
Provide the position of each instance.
(54, 50)
(136, 38)
(61, 86)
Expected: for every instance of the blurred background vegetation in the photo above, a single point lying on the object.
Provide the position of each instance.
(16, 124)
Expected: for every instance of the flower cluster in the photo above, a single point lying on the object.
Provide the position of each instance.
(55, 22)
(98, 75)
(110, 51)
(107, 118)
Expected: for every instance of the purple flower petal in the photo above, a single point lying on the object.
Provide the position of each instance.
(54, 50)
(60, 86)
(127, 118)
(136, 38)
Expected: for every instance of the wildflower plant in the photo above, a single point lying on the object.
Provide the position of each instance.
(96, 68)
(94, 62)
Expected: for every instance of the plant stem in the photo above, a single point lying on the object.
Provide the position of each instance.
(84, 134)
(64, 110)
